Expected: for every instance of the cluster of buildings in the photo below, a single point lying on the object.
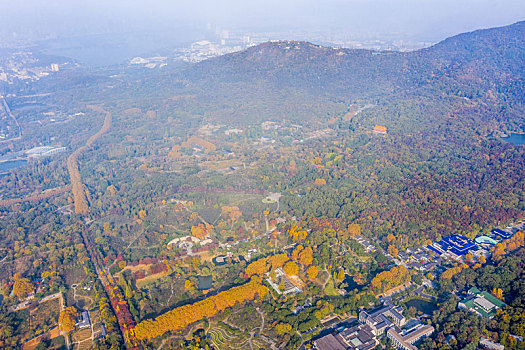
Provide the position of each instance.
(388, 320)
(418, 259)
(191, 245)
(458, 246)
(455, 246)
(405, 339)
(150, 62)
(24, 65)
(204, 49)
(83, 320)
(369, 248)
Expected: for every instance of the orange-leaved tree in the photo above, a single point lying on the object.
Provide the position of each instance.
(67, 319)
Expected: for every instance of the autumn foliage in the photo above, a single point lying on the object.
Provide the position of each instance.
(451, 272)
(297, 232)
(390, 279)
(278, 260)
(67, 319)
(312, 272)
(185, 315)
(22, 288)
(201, 231)
(291, 268)
(258, 267)
(233, 213)
(79, 192)
(320, 182)
(508, 245)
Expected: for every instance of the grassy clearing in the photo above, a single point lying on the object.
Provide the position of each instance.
(150, 279)
(330, 289)
(33, 343)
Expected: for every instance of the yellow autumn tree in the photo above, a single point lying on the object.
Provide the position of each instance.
(498, 293)
(185, 315)
(312, 272)
(233, 213)
(296, 251)
(257, 267)
(449, 273)
(306, 256)
(22, 288)
(278, 260)
(67, 319)
(291, 268)
(199, 231)
(297, 232)
(283, 328)
(393, 250)
(354, 230)
(389, 279)
(320, 182)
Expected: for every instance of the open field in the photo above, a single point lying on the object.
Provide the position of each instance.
(82, 339)
(33, 343)
(149, 279)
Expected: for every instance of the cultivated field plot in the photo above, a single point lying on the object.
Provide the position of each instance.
(225, 337)
(46, 313)
(39, 319)
(246, 319)
(82, 339)
(52, 339)
(96, 324)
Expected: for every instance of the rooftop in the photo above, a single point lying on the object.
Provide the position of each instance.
(483, 303)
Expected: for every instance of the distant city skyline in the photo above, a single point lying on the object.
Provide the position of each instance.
(139, 26)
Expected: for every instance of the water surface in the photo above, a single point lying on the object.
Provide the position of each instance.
(11, 164)
(517, 139)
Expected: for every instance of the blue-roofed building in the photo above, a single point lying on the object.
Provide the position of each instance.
(431, 248)
(455, 246)
(503, 234)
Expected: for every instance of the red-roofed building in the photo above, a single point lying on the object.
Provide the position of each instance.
(380, 129)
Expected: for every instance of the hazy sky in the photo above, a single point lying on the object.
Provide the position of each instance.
(421, 17)
(427, 20)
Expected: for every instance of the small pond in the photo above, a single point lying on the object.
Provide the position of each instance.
(205, 282)
(12, 164)
(517, 139)
(425, 306)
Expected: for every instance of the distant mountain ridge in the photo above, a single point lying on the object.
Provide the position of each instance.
(487, 57)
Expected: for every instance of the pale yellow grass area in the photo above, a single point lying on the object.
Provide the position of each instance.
(393, 290)
(33, 343)
(296, 280)
(149, 279)
(206, 256)
(134, 268)
(81, 335)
